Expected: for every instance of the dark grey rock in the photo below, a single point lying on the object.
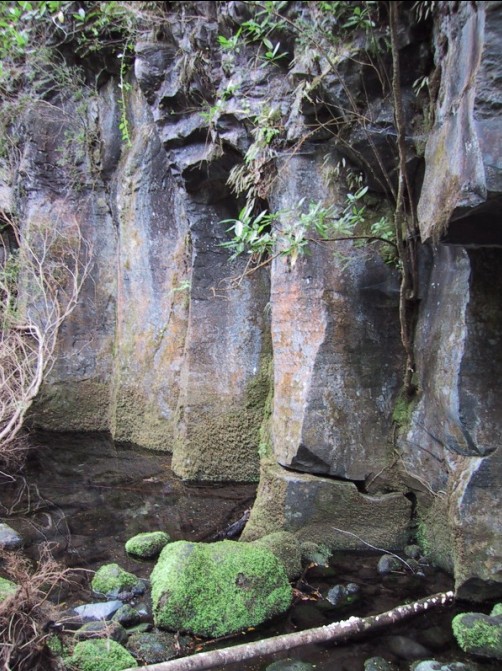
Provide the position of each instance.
(406, 648)
(340, 596)
(155, 647)
(290, 665)
(101, 629)
(127, 616)
(378, 664)
(98, 611)
(413, 551)
(388, 564)
(433, 665)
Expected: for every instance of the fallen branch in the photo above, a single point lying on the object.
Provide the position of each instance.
(337, 631)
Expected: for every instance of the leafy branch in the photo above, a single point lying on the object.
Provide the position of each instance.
(262, 234)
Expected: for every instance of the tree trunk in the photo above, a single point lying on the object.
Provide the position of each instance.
(337, 631)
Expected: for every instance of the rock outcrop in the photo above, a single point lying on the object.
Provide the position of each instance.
(175, 347)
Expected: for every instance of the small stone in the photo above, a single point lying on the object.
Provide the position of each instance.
(155, 647)
(406, 648)
(315, 553)
(127, 616)
(433, 665)
(340, 596)
(147, 545)
(98, 611)
(141, 628)
(387, 564)
(378, 664)
(101, 629)
(413, 551)
(290, 665)
(9, 539)
(112, 581)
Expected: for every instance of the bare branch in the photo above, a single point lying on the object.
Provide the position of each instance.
(41, 278)
(335, 632)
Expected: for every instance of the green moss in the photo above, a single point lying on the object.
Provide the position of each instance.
(496, 610)
(111, 579)
(225, 443)
(477, 634)
(403, 410)
(147, 545)
(218, 446)
(315, 553)
(265, 449)
(7, 587)
(434, 535)
(285, 546)
(148, 428)
(101, 655)
(72, 406)
(215, 589)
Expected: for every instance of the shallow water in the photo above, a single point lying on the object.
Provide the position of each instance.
(86, 497)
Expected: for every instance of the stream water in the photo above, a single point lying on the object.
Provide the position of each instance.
(86, 496)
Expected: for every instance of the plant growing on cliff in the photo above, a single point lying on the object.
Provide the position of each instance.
(254, 177)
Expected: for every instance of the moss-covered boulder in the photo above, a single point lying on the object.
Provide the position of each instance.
(216, 589)
(7, 587)
(496, 610)
(147, 545)
(111, 580)
(100, 655)
(286, 548)
(479, 634)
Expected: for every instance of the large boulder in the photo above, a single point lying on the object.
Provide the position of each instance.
(215, 589)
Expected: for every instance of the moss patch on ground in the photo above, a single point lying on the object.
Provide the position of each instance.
(216, 589)
(7, 587)
(101, 655)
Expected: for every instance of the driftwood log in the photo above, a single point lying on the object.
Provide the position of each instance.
(337, 631)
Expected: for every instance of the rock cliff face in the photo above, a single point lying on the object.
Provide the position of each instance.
(296, 365)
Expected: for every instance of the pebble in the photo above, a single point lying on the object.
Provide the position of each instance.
(290, 665)
(378, 664)
(9, 539)
(98, 611)
(387, 564)
(407, 648)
